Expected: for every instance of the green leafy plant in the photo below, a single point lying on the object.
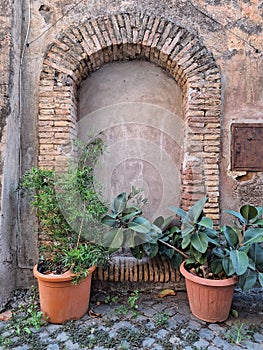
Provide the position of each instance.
(241, 253)
(132, 305)
(197, 233)
(129, 228)
(235, 250)
(161, 318)
(111, 299)
(238, 333)
(132, 300)
(122, 310)
(69, 209)
(28, 317)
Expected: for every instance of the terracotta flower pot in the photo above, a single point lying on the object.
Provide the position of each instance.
(209, 300)
(60, 300)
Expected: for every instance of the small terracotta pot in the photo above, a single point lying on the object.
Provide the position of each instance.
(209, 300)
(60, 300)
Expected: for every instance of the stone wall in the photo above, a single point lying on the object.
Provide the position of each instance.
(67, 40)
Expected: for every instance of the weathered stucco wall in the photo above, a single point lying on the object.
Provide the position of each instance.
(230, 30)
(10, 139)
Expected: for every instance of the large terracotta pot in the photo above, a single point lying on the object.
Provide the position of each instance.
(209, 300)
(60, 300)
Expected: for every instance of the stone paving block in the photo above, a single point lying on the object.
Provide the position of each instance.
(176, 320)
(258, 337)
(206, 334)
(150, 325)
(251, 346)
(52, 328)
(216, 328)
(173, 311)
(149, 312)
(221, 343)
(160, 307)
(53, 347)
(71, 346)
(174, 340)
(201, 344)
(194, 325)
(157, 347)
(148, 342)
(45, 338)
(62, 337)
(162, 334)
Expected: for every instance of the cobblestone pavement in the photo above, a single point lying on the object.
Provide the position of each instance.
(144, 321)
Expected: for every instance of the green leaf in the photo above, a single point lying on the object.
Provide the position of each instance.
(129, 239)
(137, 252)
(186, 241)
(113, 239)
(130, 212)
(166, 223)
(212, 233)
(163, 250)
(260, 278)
(219, 252)
(258, 222)
(216, 266)
(199, 241)
(213, 241)
(176, 261)
(195, 211)
(256, 254)
(240, 261)
(236, 214)
(119, 203)
(151, 250)
(159, 221)
(260, 211)
(249, 212)
(152, 236)
(251, 264)
(247, 280)
(228, 266)
(140, 224)
(187, 229)
(206, 222)
(253, 235)
(230, 235)
(199, 257)
(109, 220)
(178, 211)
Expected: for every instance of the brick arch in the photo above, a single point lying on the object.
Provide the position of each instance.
(81, 50)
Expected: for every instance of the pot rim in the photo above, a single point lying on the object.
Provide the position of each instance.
(205, 281)
(66, 276)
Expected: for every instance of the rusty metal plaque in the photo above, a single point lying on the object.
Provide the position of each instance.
(247, 147)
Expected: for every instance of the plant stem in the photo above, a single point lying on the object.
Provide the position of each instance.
(175, 249)
(81, 225)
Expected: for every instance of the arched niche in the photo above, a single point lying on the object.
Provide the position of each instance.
(80, 51)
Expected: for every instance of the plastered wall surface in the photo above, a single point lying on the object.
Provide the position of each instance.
(138, 107)
(230, 30)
